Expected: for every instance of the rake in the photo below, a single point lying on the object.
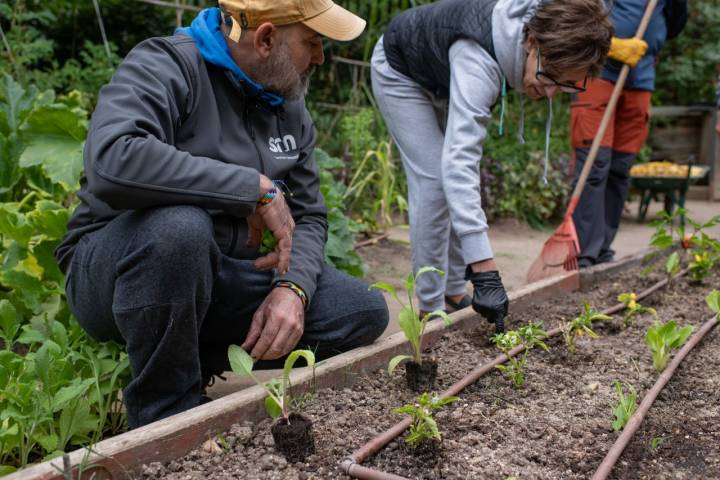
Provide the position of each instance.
(560, 252)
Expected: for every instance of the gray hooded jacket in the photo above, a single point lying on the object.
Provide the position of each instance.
(171, 129)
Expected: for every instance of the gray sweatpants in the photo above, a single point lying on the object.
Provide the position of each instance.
(416, 120)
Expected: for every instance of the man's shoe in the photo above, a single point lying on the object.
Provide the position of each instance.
(585, 262)
(606, 256)
(451, 306)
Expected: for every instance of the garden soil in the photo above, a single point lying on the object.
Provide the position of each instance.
(557, 427)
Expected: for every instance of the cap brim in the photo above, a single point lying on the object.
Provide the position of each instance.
(337, 23)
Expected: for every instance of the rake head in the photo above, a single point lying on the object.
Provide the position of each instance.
(559, 254)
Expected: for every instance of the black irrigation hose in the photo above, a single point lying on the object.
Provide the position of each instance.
(351, 465)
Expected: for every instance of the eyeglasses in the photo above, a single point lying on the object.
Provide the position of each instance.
(547, 80)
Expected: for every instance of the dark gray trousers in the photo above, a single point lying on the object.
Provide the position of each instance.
(597, 216)
(156, 281)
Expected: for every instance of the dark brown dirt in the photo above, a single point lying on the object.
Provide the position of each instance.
(293, 437)
(557, 427)
(421, 377)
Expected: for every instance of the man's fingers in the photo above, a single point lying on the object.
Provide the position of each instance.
(254, 237)
(256, 328)
(267, 337)
(286, 339)
(284, 248)
(268, 261)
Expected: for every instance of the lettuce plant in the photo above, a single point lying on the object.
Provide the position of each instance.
(713, 301)
(580, 326)
(410, 322)
(277, 402)
(423, 426)
(633, 309)
(530, 336)
(663, 339)
(626, 406)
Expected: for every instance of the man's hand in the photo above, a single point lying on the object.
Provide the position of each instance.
(277, 325)
(489, 297)
(276, 217)
(627, 50)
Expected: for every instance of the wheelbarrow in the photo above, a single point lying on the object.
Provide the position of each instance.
(672, 189)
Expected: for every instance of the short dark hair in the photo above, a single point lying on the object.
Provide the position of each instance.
(571, 34)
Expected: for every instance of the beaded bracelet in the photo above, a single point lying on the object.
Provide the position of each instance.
(298, 291)
(268, 197)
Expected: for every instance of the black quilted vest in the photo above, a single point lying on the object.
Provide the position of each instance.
(417, 42)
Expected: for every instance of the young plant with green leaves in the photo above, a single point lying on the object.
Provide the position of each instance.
(580, 326)
(529, 336)
(277, 403)
(672, 265)
(410, 322)
(626, 406)
(663, 339)
(713, 302)
(700, 266)
(423, 426)
(633, 308)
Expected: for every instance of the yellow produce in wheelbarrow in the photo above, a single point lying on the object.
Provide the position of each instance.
(664, 169)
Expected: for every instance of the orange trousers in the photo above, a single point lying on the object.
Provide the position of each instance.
(597, 216)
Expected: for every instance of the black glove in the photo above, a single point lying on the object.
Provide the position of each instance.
(489, 297)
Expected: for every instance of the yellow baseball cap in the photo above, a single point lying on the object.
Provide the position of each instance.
(323, 16)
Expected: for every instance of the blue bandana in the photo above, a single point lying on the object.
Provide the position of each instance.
(210, 41)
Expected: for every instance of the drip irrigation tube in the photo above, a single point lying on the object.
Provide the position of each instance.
(634, 423)
(351, 465)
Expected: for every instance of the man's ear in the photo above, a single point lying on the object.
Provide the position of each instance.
(266, 37)
(530, 43)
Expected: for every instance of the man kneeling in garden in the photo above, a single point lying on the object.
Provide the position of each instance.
(199, 144)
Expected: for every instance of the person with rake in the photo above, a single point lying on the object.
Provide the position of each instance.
(437, 72)
(200, 144)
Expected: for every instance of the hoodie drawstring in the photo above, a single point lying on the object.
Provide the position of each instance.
(548, 127)
(501, 127)
(521, 122)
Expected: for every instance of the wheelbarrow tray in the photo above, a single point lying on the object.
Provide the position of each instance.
(668, 183)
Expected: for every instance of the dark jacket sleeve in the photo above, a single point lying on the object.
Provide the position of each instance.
(130, 158)
(308, 208)
(676, 15)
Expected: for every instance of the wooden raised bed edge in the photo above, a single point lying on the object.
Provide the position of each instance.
(175, 436)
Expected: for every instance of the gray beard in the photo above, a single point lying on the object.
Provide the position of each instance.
(277, 74)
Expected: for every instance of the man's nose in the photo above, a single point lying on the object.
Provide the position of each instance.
(550, 90)
(318, 55)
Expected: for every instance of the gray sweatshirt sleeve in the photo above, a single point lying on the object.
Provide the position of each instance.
(130, 159)
(475, 80)
(308, 208)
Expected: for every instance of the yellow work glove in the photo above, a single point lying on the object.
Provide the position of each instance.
(627, 50)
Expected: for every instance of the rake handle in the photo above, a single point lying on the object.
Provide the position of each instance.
(609, 111)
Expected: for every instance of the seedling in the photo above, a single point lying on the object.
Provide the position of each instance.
(410, 322)
(663, 339)
(713, 301)
(529, 336)
(267, 243)
(627, 404)
(277, 403)
(672, 264)
(423, 426)
(700, 266)
(655, 443)
(580, 326)
(632, 308)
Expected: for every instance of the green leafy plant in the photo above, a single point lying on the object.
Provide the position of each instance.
(423, 426)
(410, 322)
(655, 442)
(340, 246)
(633, 308)
(581, 325)
(672, 264)
(277, 403)
(626, 406)
(529, 336)
(713, 302)
(700, 266)
(663, 339)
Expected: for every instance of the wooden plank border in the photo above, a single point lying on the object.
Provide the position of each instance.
(120, 456)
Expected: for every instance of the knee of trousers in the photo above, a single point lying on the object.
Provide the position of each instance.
(174, 246)
(376, 316)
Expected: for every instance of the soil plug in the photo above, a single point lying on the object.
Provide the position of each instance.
(424, 437)
(420, 373)
(291, 431)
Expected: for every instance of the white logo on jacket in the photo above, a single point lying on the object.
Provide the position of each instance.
(280, 145)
